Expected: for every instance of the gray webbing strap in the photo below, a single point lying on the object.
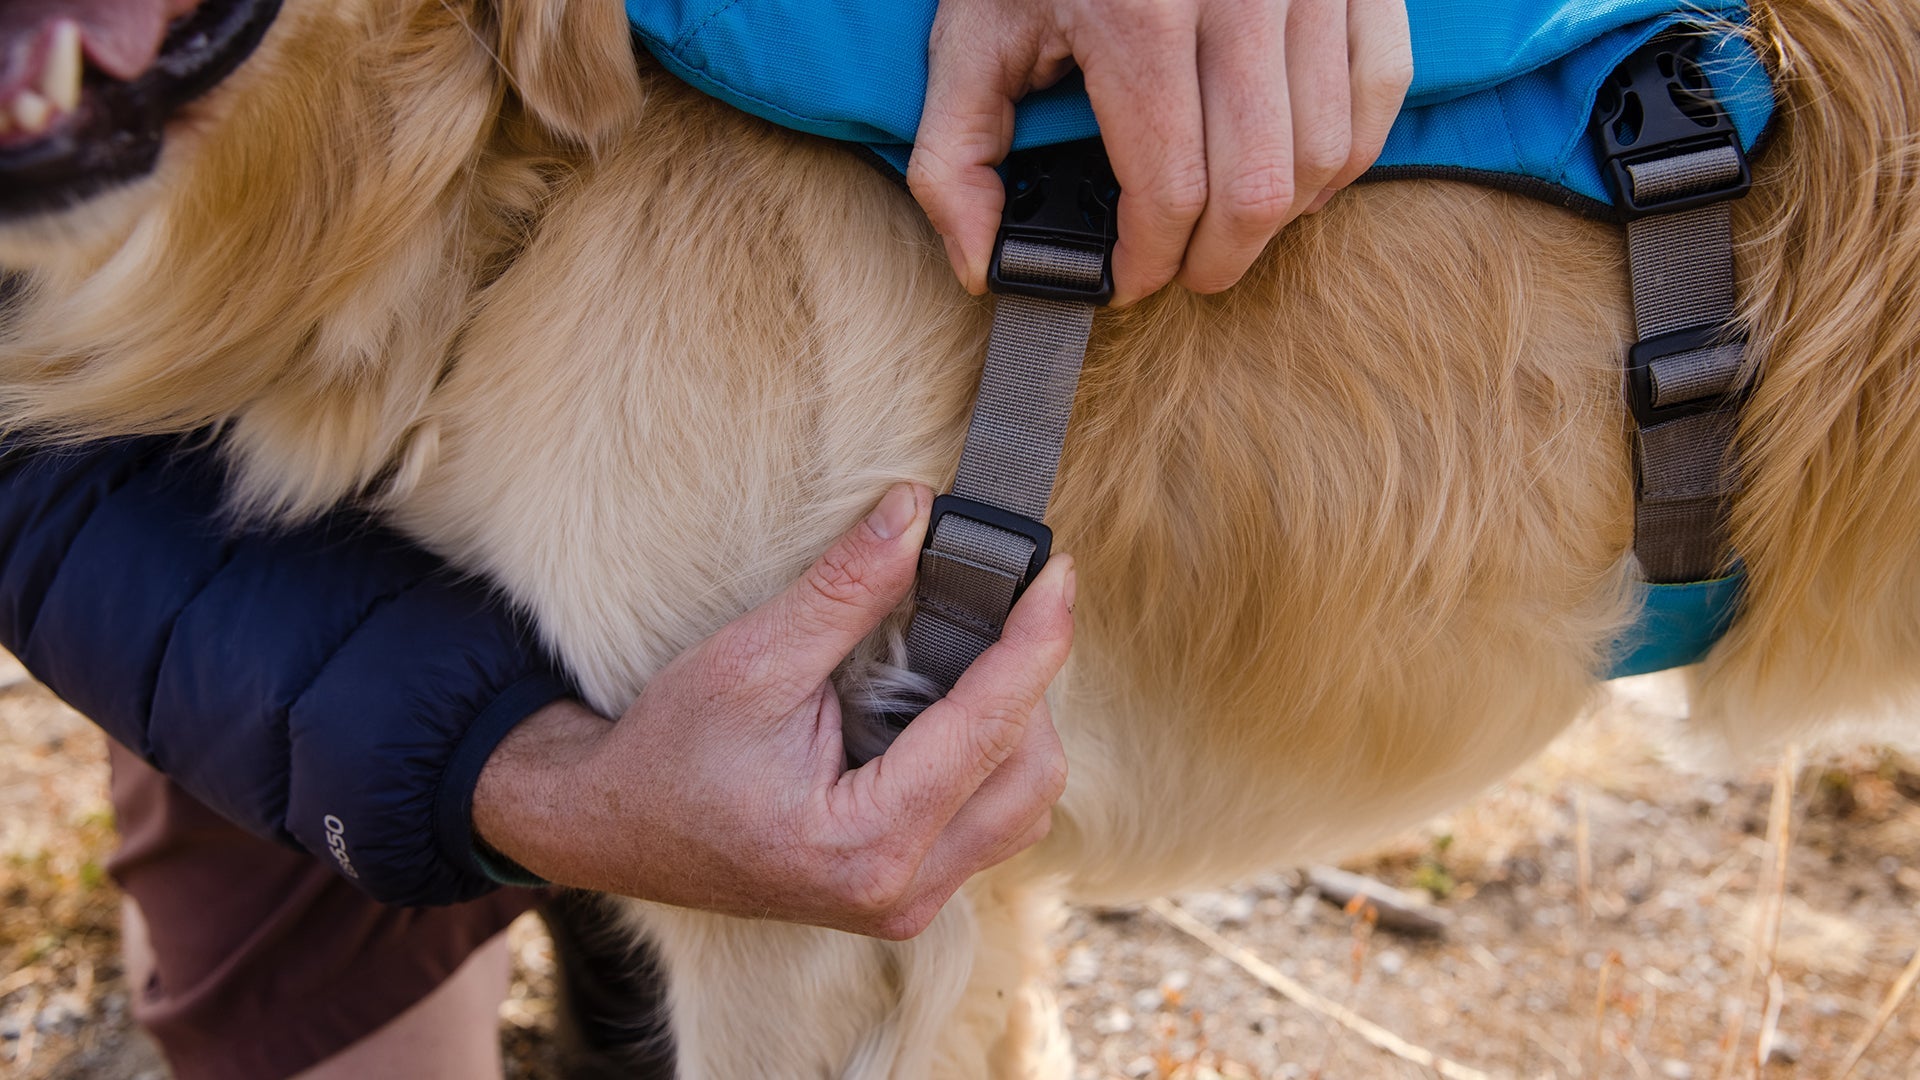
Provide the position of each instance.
(971, 571)
(1682, 270)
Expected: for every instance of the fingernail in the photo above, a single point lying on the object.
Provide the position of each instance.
(895, 512)
(1070, 587)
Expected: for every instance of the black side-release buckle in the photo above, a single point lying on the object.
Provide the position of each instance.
(1644, 354)
(1063, 195)
(1005, 520)
(1658, 104)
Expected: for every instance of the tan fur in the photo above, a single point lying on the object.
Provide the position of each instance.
(1352, 536)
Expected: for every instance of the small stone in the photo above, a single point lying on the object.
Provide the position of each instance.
(1390, 962)
(1889, 865)
(1785, 1049)
(59, 1016)
(1148, 1000)
(1305, 903)
(1080, 967)
(1826, 1006)
(1221, 908)
(1141, 1066)
(1175, 982)
(1115, 1021)
(1674, 1069)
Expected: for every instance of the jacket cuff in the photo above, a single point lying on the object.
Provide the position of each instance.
(453, 805)
(389, 741)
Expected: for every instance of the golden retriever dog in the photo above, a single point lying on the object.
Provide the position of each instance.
(1353, 537)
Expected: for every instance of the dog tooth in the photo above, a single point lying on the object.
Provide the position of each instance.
(31, 112)
(60, 80)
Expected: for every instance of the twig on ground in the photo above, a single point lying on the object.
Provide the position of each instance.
(1583, 857)
(1600, 1013)
(1293, 991)
(1757, 973)
(1896, 993)
(26, 976)
(1398, 910)
(1559, 1053)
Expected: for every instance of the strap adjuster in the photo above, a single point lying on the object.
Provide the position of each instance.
(1061, 196)
(1658, 105)
(1005, 520)
(1643, 355)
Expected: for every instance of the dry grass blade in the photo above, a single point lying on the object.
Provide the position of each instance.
(1896, 993)
(1765, 944)
(1272, 978)
(1583, 856)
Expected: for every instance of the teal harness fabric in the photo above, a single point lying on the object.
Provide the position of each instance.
(1500, 87)
(1502, 94)
(1678, 624)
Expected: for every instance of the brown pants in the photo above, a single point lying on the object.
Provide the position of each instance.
(267, 962)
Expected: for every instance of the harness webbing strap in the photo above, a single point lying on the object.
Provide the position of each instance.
(1681, 266)
(972, 571)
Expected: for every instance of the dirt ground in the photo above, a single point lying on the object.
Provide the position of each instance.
(1614, 915)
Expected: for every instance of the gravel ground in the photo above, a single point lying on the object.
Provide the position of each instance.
(1611, 906)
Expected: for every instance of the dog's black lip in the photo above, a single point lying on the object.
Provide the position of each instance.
(116, 134)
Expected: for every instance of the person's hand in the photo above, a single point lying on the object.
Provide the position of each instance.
(1224, 119)
(725, 786)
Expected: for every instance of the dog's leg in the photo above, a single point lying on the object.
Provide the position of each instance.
(772, 1000)
(1008, 1024)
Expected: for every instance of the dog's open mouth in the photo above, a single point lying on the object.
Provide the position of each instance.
(87, 86)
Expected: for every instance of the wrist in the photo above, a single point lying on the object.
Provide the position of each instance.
(526, 804)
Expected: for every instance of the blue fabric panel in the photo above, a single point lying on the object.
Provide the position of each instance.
(1678, 625)
(1534, 124)
(1499, 86)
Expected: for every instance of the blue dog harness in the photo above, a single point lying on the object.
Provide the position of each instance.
(1504, 93)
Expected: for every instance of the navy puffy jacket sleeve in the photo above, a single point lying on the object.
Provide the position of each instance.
(331, 687)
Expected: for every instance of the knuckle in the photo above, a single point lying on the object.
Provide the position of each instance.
(1386, 70)
(1324, 147)
(996, 732)
(1179, 195)
(927, 173)
(1258, 198)
(876, 888)
(905, 925)
(1150, 19)
(1053, 779)
(839, 579)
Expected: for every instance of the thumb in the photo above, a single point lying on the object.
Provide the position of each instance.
(966, 128)
(816, 622)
